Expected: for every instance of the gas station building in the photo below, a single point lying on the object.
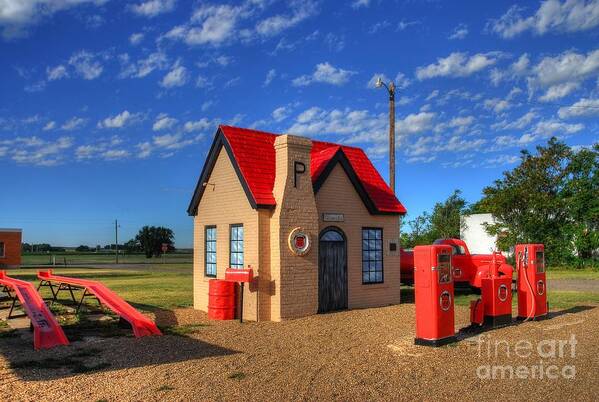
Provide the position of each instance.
(314, 220)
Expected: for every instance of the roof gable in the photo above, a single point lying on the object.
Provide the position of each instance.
(252, 155)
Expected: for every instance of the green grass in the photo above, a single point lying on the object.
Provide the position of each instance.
(560, 273)
(163, 286)
(74, 258)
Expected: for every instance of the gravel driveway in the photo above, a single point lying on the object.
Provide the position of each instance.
(352, 355)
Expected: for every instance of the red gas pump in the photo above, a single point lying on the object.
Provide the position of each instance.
(433, 287)
(531, 282)
(494, 308)
(496, 294)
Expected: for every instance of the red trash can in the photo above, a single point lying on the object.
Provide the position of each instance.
(221, 299)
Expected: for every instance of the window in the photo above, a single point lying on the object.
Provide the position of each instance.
(2, 249)
(236, 247)
(372, 255)
(210, 249)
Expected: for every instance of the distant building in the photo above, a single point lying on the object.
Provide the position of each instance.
(473, 232)
(10, 248)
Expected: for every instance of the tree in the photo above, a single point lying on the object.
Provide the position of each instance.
(151, 238)
(528, 202)
(445, 220)
(82, 248)
(581, 195)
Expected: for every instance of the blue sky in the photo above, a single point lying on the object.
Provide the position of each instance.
(107, 108)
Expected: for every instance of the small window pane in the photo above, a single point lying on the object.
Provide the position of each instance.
(210, 249)
(372, 255)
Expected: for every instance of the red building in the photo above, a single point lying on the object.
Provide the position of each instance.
(10, 248)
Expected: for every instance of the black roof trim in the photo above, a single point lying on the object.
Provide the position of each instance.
(219, 142)
(341, 158)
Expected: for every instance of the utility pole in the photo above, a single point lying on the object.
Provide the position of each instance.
(391, 89)
(116, 240)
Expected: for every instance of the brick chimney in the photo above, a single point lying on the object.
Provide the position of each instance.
(295, 277)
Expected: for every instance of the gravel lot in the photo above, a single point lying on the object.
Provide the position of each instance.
(353, 355)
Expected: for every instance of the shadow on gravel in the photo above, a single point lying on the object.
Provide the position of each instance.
(101, 354)
(571, 310)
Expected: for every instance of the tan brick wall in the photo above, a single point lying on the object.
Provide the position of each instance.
(295, 278)
(222, 204)
(12, 249)
(338, 195)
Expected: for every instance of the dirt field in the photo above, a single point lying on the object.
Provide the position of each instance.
(353, 355)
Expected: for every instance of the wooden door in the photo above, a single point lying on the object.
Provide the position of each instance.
(332, 271)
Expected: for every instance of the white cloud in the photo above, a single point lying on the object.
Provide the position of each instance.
(113, 154)
(271, 75)
(199, 125)
(163, 122)
(176, 77)
(497, 105)
(325, 73)
(276, 24)
(210, 24)
(74, 123)
(503, 160)
(280, 113)
(460, 124)
(583, 108)
(143, 67)
(120, 120)
(360, 3)
(35, 151)
(516, 70)
(152, 8)
(173, 141)
(18, 15)
(145, 150)
(86, 65)
(457, 65)
(562, 74)
(559, 91)
(552, 16)
(136, 38)
(206, 105)
(520, 123)
(403, 25)
(460, 32)
(51, 125)
(56, 73)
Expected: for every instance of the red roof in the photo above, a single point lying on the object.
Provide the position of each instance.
(254, 154)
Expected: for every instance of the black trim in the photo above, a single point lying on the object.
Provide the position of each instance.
(219, 141)
(382, 255)
(206, 250)
(341, 158)
(494, 321)
(435, 342)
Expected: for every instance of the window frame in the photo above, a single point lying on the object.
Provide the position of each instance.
(382, 250)
(206, 228)
(231, 227)
(3, 255)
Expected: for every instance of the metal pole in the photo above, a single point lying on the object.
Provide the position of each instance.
(116, 240)
(392, 136)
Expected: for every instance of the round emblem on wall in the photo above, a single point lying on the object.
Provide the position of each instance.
(299, 242)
